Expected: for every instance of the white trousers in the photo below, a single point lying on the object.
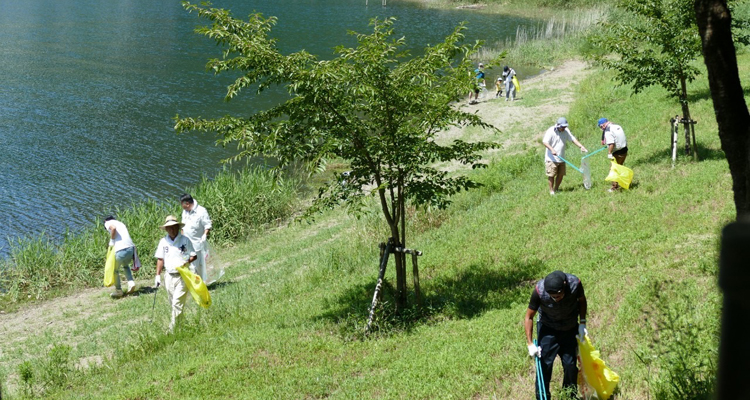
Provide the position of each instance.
(198, 266)
(177, 293)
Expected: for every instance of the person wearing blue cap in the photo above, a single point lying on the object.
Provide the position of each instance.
(561, 302)
(554, 140)
(617, 145)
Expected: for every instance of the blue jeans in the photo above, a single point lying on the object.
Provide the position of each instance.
(123, 258)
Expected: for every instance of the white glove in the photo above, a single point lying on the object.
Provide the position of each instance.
(535, 351)
(610, 156)
(111, 242)
(157, 281)
(582, 332)
(203, 238)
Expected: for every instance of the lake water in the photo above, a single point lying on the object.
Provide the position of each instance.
(89, 90)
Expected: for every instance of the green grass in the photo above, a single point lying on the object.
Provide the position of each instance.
(288, 321)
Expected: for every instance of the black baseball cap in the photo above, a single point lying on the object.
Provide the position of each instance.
(555, 282)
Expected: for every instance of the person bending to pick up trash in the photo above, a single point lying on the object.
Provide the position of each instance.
(617, 145)
(561, 303)
(174, 250)
(197, 226)
(554, 140)
(122, 245)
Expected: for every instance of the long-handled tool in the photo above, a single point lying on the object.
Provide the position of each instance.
(585, 169)
(540, 377)
(153, 306)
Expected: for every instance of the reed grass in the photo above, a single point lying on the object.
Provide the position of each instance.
(547, 43)
(239, 203)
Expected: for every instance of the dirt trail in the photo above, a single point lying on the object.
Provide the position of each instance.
(514, 119)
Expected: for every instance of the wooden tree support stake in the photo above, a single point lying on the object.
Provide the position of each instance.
(385, 251)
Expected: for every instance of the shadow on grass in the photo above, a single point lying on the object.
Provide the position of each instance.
(469, 293)
(664, 156)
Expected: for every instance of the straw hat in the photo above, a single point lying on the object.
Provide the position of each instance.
(170, 221)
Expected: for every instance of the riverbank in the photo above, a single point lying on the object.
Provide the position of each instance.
(287, 321)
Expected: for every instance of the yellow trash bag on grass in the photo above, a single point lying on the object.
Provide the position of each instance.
(595, 379)
(109, 268)
(196, 287)
(620, 174)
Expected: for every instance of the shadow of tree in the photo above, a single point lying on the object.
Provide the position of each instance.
(472, 291)
(665, 156)
(706, 95)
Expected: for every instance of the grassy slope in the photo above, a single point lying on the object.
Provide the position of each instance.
(281, 327)
(286, 324)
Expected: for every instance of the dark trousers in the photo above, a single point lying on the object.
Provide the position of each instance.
(553, 343)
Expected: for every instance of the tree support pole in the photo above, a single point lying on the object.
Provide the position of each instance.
(385, 251)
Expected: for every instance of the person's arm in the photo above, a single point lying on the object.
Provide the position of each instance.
(159, 266)
(577, 143)
(528, 325)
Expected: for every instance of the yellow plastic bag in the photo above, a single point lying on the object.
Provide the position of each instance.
(109, 268)
(620, 174)
(595, 379)
(516, 84)
(196, 287)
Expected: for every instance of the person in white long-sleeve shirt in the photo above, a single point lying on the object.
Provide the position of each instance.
(197, 228)
(554, 140)
(122, 245)
(174, 250)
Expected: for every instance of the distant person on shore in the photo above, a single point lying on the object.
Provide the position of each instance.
(174, 250)
(510, 88)
(197, 226)
(479, 83)
(499, 87)
(617, 145)
(554, 140)
(122, 245)
(561, 302)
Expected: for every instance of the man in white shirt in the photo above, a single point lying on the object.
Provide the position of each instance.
(554, 140)
(174, 250)
(617, 145)
(122, 245)
(197, 226)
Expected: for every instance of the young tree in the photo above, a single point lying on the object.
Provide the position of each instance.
(372, 105)
(654, 43)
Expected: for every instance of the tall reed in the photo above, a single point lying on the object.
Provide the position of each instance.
(239, 203)
(544, 43)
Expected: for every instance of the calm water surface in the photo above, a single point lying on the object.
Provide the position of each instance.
(89, 89)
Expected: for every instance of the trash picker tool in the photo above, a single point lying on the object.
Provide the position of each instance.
(153, 306)
(539, 377)
(569, 163)
(593, 152)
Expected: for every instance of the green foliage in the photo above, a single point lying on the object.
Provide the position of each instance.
(684, 350)
(373, 106)
(56, 367)
(654, 42)
(26, 374)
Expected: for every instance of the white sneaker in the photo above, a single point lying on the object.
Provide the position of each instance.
(552, 192)
(131, 287)
(116, 294)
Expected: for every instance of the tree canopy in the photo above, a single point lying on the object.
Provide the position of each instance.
(374, 105)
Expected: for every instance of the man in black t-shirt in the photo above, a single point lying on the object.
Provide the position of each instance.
(561, 303)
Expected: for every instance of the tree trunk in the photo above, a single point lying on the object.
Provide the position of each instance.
(714, 25)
